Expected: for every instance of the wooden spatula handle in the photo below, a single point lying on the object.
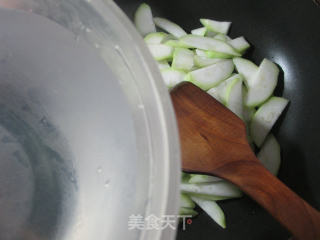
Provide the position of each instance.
(288, 208)
(213, 141)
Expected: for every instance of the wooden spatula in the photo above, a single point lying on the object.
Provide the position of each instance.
(214, 142)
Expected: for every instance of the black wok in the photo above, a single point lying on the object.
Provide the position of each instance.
(287, 32)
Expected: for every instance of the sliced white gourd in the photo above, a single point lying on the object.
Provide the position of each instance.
(263, 83)
(214, 54)
(216, 26)
(211, 76)
(185, 201)
(172, 77)
(169, 37)
(160, 51)
(240, 44)
(210, 197)
(265, 117)
(270, 155)
(248, 112)
(143, 19)
(216, 93)
(169, 27)
(200, 178)
(233, 95)
(221, 37)
(155, 37)
(221, 188)
(201, 61)
(247, 68)
(182, 59)
(212, 209)
(207, 43)
(199, 31)
(188, 212)
(222, 91)
(201, 53)
(163, 65)
(175, 43)
(229, 93)
(210, 34)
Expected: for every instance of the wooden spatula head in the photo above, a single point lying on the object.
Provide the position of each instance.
(211, 135)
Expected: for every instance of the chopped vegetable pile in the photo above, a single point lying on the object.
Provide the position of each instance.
(213, 61)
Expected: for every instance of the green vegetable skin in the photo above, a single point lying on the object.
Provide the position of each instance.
(213, 61)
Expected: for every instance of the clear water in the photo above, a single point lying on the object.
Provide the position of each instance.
(60, 140)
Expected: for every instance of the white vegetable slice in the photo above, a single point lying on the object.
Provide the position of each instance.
(200, 178)
(182, 59)
(207, 43)
(188, 212)
(216, 93)
(163, 65)
(160, 51)
(210, 197)
(221, 188)
(169, 27)
(175, 43)
(265, 117)
(155, 37)
(199, 31)
(212, 209)
(172, 77)
(214, 54)
(169, 37)
(220, 91)
(233, 95)
(201, 53)
(263, 83)
(185, 201)
(247, 68)
(229, 93)
(240, 44)
(248, 112)
(143, 19)
(211, 76)
(201, 61)
(210, 34)
(269, 154)
(216, 26)
(221, 37)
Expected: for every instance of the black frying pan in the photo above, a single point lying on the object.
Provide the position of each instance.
(287, 32)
